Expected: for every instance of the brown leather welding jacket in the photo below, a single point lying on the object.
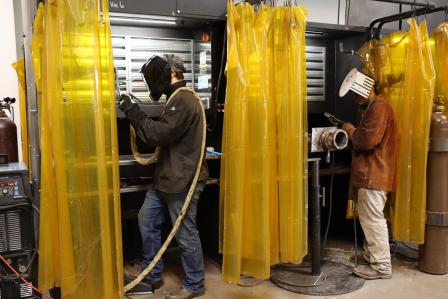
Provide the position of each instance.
(374, 145)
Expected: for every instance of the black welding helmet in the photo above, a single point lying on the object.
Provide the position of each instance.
(156, 73)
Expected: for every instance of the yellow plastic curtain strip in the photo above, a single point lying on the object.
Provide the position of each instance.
(263, 194)
(19, 66)
(385, 60)
(408, 219)
(80, 224)
(402, 64)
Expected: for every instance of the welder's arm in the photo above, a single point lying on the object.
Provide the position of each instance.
(171, 125)
(371, 131)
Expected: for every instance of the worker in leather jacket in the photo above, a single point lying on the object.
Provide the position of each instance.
(372, 177)
(178, 133)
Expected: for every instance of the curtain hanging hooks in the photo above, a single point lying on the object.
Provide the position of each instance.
(414, 8)
(100, 11)
(426, 12)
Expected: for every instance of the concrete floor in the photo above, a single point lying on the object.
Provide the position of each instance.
(407, 282)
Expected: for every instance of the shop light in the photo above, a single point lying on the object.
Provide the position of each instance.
(142, 21)
(313, 33)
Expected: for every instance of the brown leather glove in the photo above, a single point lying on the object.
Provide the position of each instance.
(349, 128)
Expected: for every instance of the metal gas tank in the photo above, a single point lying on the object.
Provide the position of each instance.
(433, 257)
(8, 138)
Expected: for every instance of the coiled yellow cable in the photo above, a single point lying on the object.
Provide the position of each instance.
(184, 209)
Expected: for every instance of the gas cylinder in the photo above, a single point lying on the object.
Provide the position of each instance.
(433, 255)
(8, 138)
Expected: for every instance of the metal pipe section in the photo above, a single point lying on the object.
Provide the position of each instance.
(328, 139)
(334, 139)
(29, 9)
(315, 218)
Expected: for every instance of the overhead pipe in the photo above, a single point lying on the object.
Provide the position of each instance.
(375, 32)
(414, 3)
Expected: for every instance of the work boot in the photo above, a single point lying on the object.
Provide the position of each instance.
(182, 293)
(368, 272)
(359, 259)
(140, 289)
(154, 283)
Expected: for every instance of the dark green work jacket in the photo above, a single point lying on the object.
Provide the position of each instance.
(178, 133)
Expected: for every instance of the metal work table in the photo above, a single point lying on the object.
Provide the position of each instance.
(144, 182)
(129, 160)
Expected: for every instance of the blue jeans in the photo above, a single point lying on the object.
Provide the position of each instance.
(150, 220)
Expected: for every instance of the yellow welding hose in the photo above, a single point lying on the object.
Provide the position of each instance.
(184, 209)
(137, 156)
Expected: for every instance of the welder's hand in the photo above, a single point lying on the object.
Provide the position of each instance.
(349, 128)
(125, 102)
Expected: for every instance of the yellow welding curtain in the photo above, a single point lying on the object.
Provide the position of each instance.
(80, 225)
(19, 66)
(263, 170)
(385, 61)
(439, 47)
(402, 64)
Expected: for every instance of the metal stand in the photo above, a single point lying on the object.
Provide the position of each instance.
(315, 218)
(315, 278)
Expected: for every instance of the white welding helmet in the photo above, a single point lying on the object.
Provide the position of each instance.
(358, 83)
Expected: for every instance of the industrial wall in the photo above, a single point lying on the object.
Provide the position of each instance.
(8, 55)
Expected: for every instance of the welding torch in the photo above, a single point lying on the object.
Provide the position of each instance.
(333, 119)
(118, 91)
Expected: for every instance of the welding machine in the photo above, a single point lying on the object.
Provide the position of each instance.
(17, 241)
